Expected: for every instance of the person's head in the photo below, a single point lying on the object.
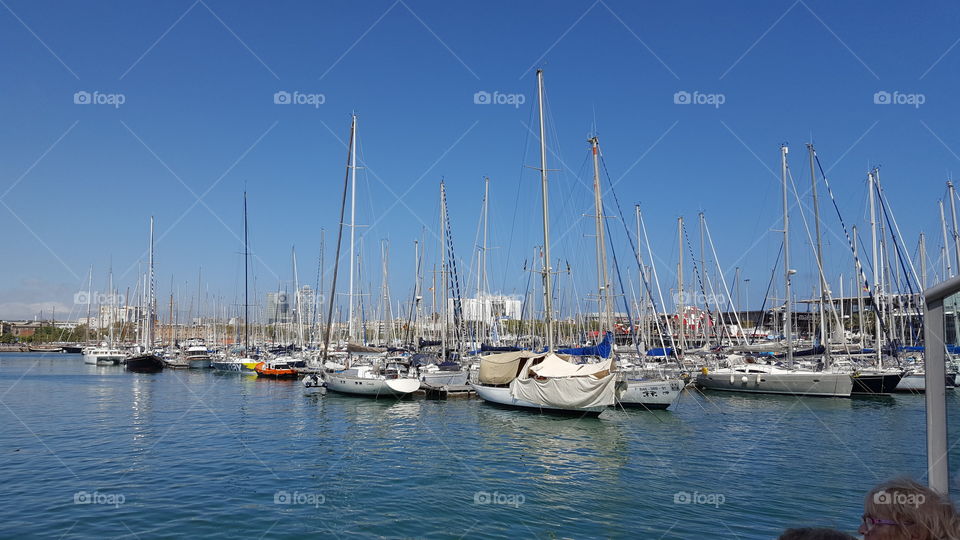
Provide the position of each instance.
(903, 509)
(814, 533)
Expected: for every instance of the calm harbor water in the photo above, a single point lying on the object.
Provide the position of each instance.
(94, 452)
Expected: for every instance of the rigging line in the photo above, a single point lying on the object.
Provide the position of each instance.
(766, 295)
(696, 271)
(897, 250)
(626, 303)
(516, 200)
(864, 282)
(646, 281)
(523, 307)
(633, 247)
(723, 280)
(821, 275)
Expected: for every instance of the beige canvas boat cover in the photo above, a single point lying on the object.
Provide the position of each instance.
(566, 392)
(502, 368)
(554, 366)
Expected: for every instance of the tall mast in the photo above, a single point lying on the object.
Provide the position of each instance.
(481, 298)
(787, 310)
(680, 299)
(945, 252)
(86, 328)
(603, 279)
(876, 264)
(336, 258)
(824, 337)
(298, 303)
(923, 262)
(149, 329)
(953, 215)
(113, 304)
(353, 212)
(859, 282)
(246, 274)
(443, 272)
(547, 281)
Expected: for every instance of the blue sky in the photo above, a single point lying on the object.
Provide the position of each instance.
(198, 120)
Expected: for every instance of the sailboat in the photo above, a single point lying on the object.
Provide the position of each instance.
(146, 361)
(388, 379)
(632, 390)
(241, 364)
(546, 382)
(106, 353)
(766, 377)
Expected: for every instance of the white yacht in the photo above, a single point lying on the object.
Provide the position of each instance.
(103, 355)
(197, 355)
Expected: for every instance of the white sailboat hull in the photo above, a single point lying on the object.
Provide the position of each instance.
(648, 394)
(360, 386)
(501, 395)
(822, 384)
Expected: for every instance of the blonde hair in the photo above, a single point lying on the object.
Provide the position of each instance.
(920, 512)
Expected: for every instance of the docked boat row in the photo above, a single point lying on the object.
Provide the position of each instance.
(631, 351)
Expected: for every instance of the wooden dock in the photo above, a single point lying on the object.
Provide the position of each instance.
(446, 391)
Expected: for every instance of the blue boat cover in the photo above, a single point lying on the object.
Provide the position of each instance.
(603, 349)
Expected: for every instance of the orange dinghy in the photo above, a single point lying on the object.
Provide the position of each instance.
(276, 371)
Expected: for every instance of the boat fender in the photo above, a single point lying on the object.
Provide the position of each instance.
(703, 370)
(731, 379)
(758, 380)
(744, 379)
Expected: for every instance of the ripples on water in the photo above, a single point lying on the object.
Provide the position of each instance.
(205, 454)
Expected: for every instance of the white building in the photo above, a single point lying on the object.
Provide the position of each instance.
(488, 307)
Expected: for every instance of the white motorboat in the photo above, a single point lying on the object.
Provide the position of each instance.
(197, 356)
(103, 355)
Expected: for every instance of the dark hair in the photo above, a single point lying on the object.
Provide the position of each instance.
(815, 533)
